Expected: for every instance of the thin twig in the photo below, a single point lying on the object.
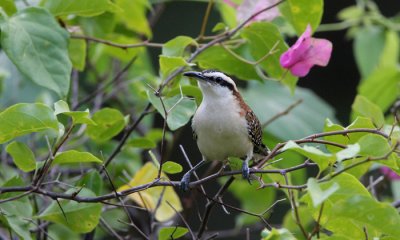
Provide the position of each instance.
(283, 113)
(118, 45)
(183, 220)
(211, 204)
(102, 87)
(205, 20)
(294, 207)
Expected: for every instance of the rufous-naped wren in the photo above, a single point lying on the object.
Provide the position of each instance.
(224, 125)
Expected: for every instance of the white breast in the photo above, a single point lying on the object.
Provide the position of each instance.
(221, 131)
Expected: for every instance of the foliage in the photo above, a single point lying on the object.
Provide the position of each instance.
(91, 127)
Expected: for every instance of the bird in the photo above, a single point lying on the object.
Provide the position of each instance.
(224, 125)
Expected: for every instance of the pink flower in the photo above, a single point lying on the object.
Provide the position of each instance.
(306, 53)
(389, 173)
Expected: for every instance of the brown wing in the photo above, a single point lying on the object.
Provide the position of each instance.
(255, 133)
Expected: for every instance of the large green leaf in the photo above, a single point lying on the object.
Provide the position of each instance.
(22, 155)
(169, 64)
(109, 123)
(78, 117)
(73, 156)
(372, 145)
(322, 159)
(8, 6)
(317, 195)
(38, 46)
(350, 138)
(176, 47)
(217, 57)
(14, 213)
(77, 53)
(262, 37)
(364, 107)
(270, 98)
(381, 86)
(85, 8)
(133, 15)
(300, 13)
(351, 209)
(79, 217)
(368, 46)
(93, 181)
(179, 109)
(25, 118)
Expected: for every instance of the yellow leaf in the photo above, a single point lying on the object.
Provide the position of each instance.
(149, 197)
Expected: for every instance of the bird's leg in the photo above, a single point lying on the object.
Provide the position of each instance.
(186, 177)
(245, 167)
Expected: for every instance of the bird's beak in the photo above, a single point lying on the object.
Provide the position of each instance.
(196, 75)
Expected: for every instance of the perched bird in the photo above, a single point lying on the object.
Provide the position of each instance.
(224, 125)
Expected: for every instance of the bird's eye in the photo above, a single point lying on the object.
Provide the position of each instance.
(218, 79)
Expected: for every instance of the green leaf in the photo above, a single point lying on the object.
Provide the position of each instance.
(270, 98)
(73, 156)
(176, 47)
(22, 155)
(317, 195)
(38, 46)
(277, 234)
(228, 13)
(187, 90)
(350, 152)
(368, 46)
(349, 138)
(351, 208)
(350, 13)
(372, 145)
(171, 167)
(300, 13)
(133, 15)
(390, 53)
(180, 109)
(322, 159)
(78, 117)
(79, 217)
(8, 7)
(330, 127)
(217, 57)
(143, 143)
(364, 107)
(381, 86)
(86, 8)
(169, 64)
(261, 37)
(12, 213)
(24, 118)
(167, 233)
(77, 53)
(109, 122)
(93, 181)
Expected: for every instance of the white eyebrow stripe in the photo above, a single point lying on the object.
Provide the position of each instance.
(221, 75)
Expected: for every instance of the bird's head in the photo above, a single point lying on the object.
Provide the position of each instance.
(213, 83)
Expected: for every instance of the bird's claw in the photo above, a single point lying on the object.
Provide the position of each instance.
(246, 171)
(184, 186)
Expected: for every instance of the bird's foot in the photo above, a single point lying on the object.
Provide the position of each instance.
(246, 171)
(184, 186)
